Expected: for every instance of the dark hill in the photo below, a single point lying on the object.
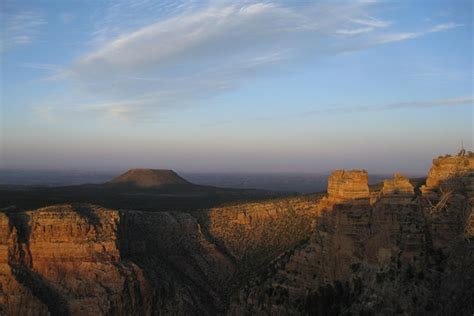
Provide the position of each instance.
(149, 178)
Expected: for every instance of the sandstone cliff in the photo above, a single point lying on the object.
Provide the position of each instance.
(398, 186)
(450, 173)
(392, 250)
(83, 259)
(86, 260)
(348, 185)
(15, 298)
(391, 253)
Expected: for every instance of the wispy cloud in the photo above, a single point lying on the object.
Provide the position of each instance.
(457, 101)
(19, 28)
(444, 27)
(195, 51)
(119, 17)
(355, 31)
(397, 37)
(371, 22)
(366, 24)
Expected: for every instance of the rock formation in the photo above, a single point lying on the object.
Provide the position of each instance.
(15, 297)
(446, 173)
(348, 185)
(397, 253)
(390, 251)
(86, 260)
(256, 233)
(397, 190)
(448, 196)
(149, 178)
(398, 186)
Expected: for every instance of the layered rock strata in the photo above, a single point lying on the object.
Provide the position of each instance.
(83, 259)
(397, 190)
(389, 251)
(449, 173)
(398, 186)
(348, 185)
(15, 297)
(392, 253)
(86, 260)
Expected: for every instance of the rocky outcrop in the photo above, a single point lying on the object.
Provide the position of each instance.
(448, 197)
(391, 254)
(348, 185)
(449, 173)
(398, 186)
(149, 178)
(396, 190)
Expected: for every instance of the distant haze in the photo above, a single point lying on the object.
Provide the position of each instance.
(287, 182)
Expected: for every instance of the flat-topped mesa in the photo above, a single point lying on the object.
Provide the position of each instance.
(149, 178)
(348, 185)
(398, 187)
(449, 172)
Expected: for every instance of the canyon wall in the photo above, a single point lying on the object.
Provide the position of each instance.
(385, 252)
(15, 298)
(81, 259)
(87, 260)
(390, 250)
(256, 233)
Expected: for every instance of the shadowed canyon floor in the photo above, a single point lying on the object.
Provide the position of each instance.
(152, 243)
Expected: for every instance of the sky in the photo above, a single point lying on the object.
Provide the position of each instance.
(229, 86)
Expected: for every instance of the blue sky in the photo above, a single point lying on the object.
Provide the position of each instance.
(271, 86)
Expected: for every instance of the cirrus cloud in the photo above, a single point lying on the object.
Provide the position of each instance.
(202, 52)
(19, 28)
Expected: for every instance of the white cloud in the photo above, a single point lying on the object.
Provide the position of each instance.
(444, 27)
(397, 37)
(120, 16)
(372, 22)
(19, 28)
(355, 31)
(202, 51)
(211, 32)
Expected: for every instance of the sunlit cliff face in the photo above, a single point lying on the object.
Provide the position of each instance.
(354, 248)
